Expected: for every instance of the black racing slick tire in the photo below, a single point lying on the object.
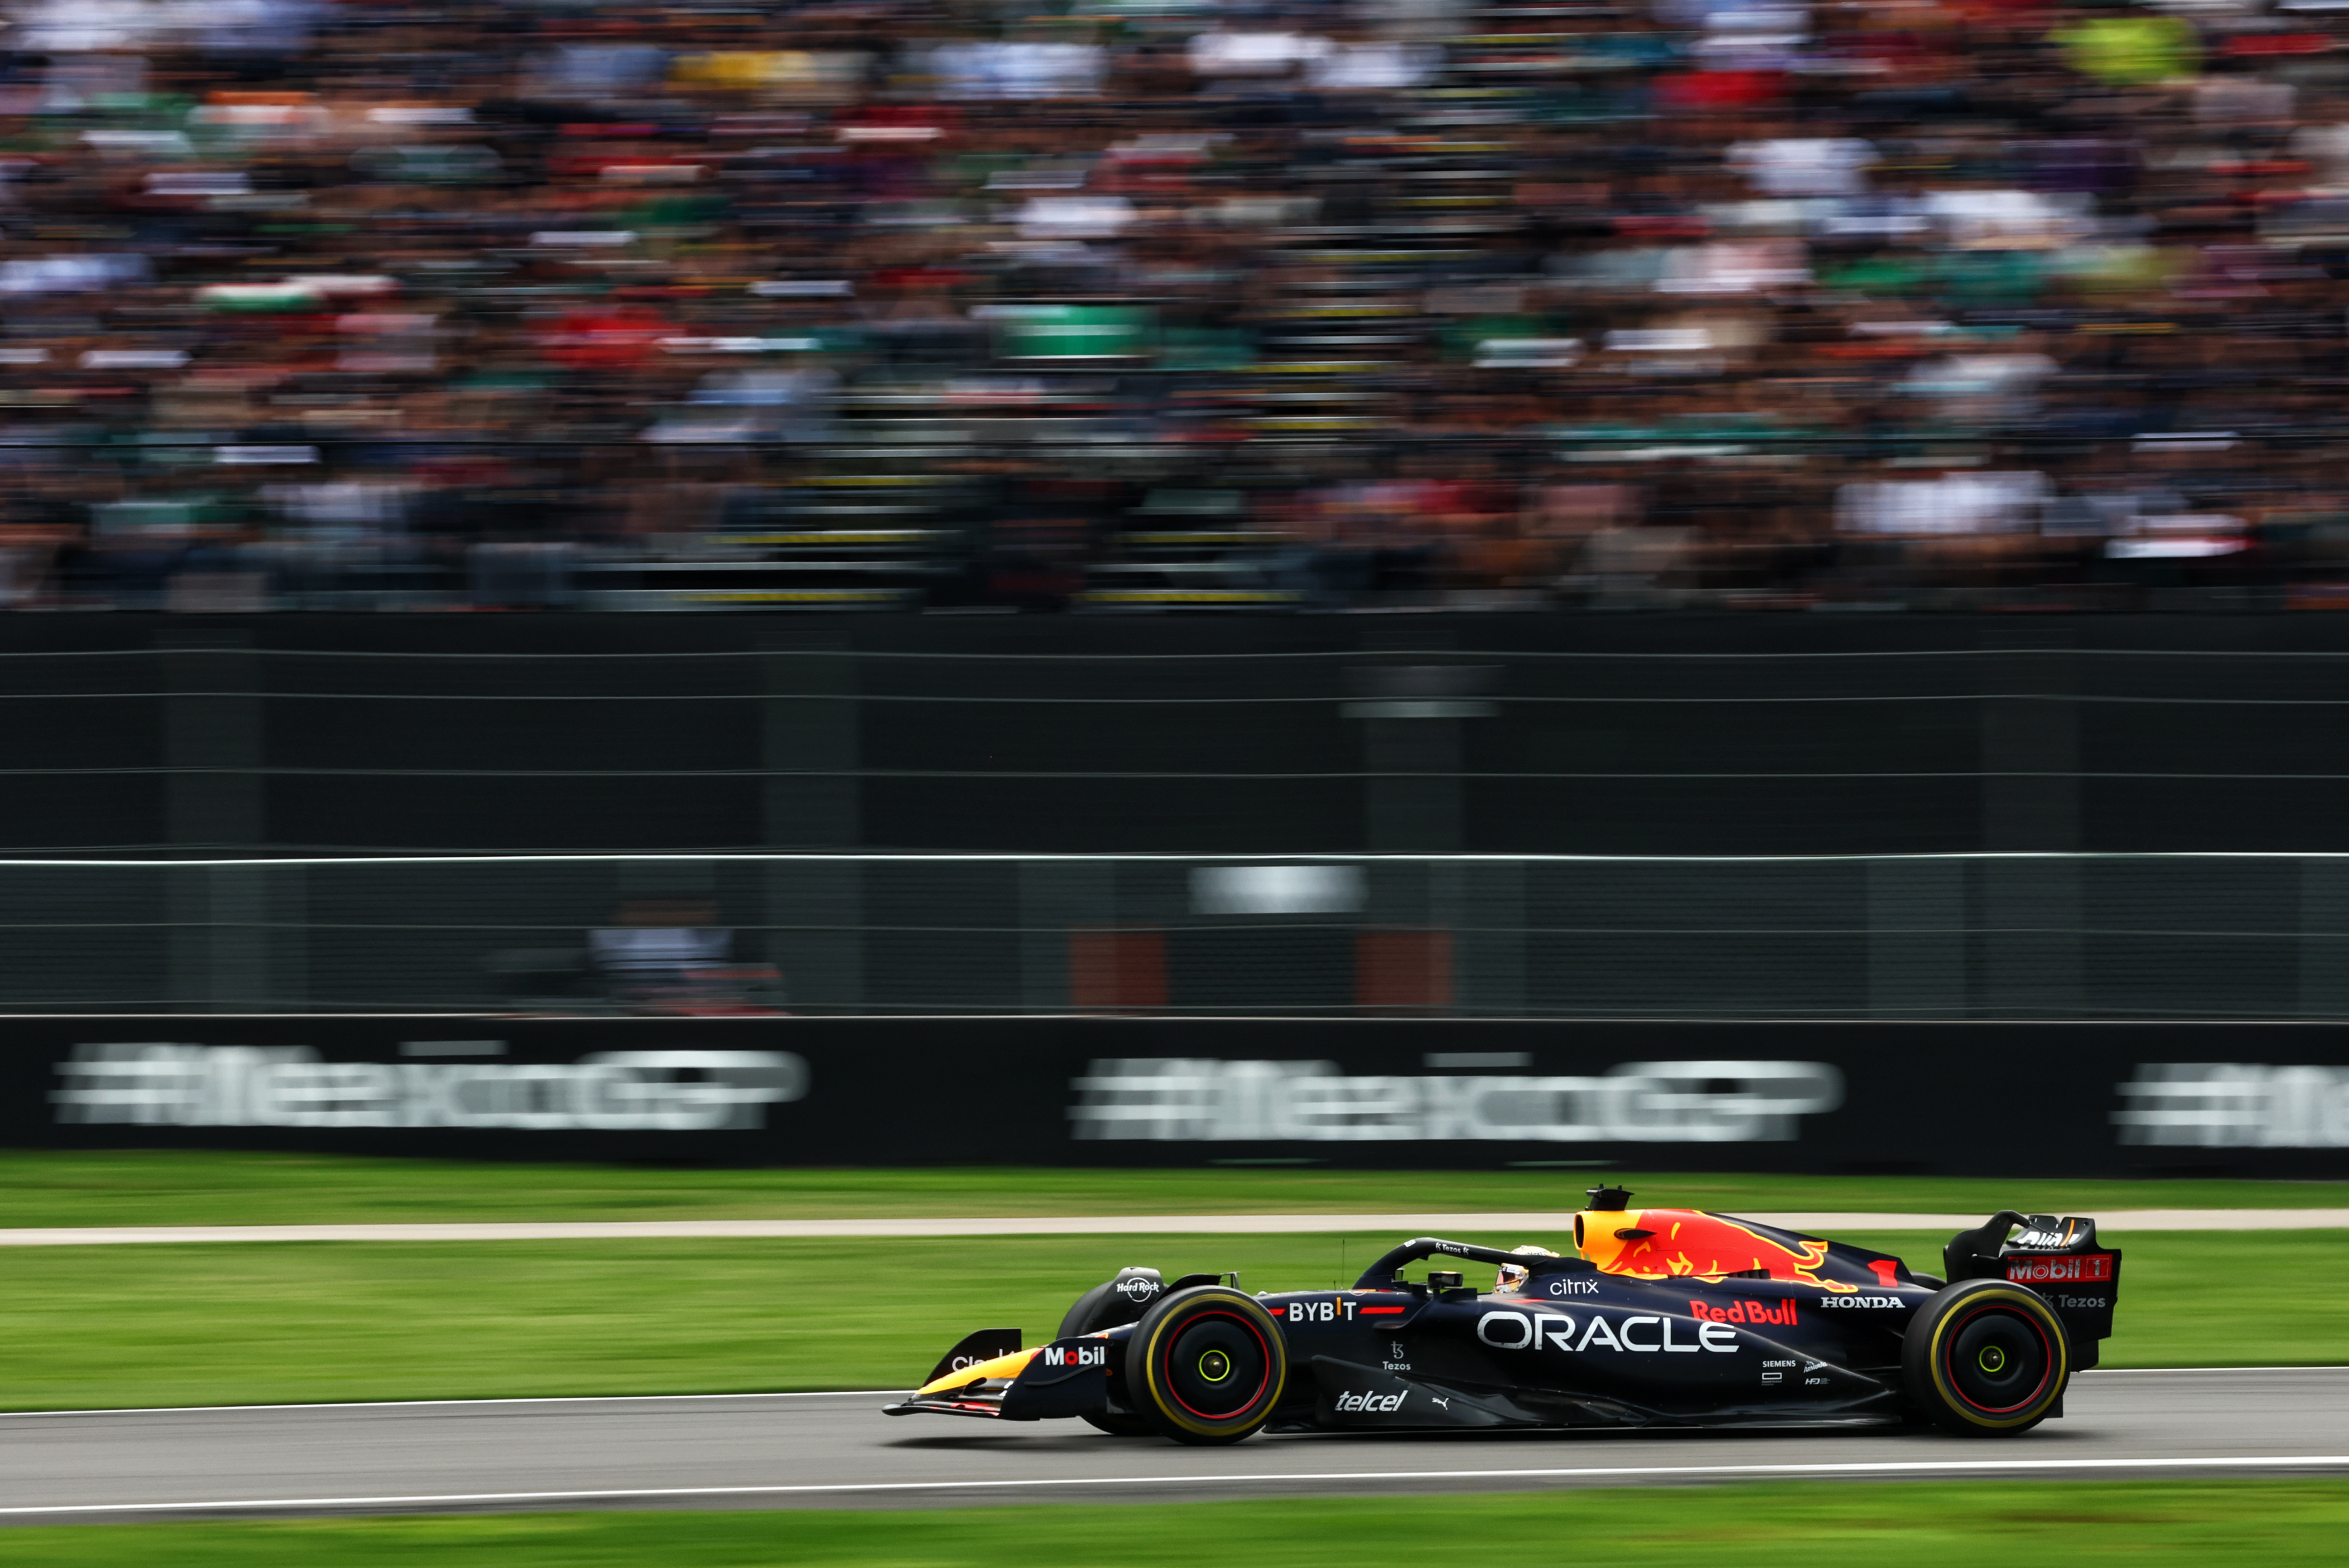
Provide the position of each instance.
(1986, 1359)
(1086, 1314)
(1094, 1310)
(1207, 1366)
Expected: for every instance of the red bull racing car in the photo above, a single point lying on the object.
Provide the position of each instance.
(1669, 1317)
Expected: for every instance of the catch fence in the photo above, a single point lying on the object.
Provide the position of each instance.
(1799, 735)
(1981, 936)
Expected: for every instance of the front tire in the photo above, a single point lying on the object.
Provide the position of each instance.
(1207, 1366)
(1090, 1310)
(1986, 1359)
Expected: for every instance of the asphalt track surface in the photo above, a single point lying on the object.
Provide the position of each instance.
(838, 1450)
(2115, 1221)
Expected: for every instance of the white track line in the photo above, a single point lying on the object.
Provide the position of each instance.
(1607, 1472)
(2118, 1220)
(2167, 1371)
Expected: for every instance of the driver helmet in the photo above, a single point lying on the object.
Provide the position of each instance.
(1513, 1276)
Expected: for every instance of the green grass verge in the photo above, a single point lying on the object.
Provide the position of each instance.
(1933, 1525)
(287, 1322)
(154, 1187)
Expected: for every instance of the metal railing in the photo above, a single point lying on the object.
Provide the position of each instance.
(1937, 936)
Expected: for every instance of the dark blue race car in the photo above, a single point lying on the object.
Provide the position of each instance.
(1669, 1317)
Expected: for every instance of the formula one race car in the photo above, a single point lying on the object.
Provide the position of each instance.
(1671, 1317)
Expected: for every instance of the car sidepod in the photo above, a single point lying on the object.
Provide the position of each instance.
(1585, 1349)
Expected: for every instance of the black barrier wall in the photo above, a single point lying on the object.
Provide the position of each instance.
(2007, 1099)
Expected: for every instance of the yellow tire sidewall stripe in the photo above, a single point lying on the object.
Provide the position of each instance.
(1170, 1408)
(2059, 1374)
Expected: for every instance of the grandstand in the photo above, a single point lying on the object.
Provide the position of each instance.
(1149, 305)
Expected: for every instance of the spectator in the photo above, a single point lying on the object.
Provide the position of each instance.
(868, 304)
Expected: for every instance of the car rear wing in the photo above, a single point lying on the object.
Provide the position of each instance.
(2060, 1259)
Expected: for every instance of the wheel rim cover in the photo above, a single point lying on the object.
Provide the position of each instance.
(1998, 1360)
(1211, 1341)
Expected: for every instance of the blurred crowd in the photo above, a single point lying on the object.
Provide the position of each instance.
(1162, 304)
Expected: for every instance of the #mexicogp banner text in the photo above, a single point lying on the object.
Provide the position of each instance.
(2057, 1099)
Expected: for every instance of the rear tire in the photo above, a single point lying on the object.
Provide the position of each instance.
(1986, 1359)
(1207, 1366)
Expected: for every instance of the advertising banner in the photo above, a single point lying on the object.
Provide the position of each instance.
(2077, 1099)
(1073, 331)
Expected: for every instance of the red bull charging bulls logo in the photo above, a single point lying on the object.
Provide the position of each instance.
(1685, 1243)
